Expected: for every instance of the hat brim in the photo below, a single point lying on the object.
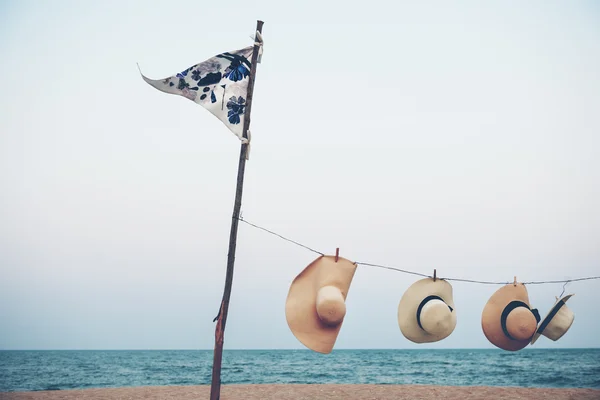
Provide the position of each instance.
(491, 317)
(548, 317)
(409, 303)
(301, 304)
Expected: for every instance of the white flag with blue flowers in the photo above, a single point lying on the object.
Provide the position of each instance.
(219, 84)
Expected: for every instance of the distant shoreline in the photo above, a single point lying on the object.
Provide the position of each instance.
(312, 391)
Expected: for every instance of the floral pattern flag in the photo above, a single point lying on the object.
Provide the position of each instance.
(219, 84)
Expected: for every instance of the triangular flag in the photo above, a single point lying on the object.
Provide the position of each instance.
(219, 84)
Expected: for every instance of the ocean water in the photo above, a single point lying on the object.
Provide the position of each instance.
(59, 370)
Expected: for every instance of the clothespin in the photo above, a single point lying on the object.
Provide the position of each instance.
(258, 41)
(247, 141)
(260, 50)
(337, 254)
(515, 281)
(434, 275)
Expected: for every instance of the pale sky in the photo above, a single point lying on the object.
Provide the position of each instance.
(460, 136)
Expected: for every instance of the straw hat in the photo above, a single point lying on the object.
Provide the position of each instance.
(426, 311)
(557, 322)
(315, 306)
(507, 320)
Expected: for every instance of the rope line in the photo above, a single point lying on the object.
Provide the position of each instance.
(565, 281)
(589, 278)
(277, 234)
(394, 269)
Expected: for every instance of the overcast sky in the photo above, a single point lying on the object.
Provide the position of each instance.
(420, 135)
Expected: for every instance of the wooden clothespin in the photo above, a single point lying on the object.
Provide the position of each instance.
(515, 281)
(434, 275)
(337, 254)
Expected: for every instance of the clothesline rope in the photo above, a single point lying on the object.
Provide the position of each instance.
(277, 234)
(565, 281)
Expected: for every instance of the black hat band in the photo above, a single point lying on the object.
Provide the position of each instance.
(550, 316)
(511, 306)
(425, 300)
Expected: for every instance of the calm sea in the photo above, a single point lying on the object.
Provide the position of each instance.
(58, 370)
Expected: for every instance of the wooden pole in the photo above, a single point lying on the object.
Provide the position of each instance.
(215, 386)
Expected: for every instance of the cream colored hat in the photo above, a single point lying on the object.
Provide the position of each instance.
(557, 322)
(507, 320)
(315, 306)
(426, 311)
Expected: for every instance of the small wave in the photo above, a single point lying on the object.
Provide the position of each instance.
(595, 384)
(283, 373)
(183, 382)
(512, 354)
(423, 374)
(427, 362)
(559, 380)
(317, 375)
(52, 387)
(504, 367)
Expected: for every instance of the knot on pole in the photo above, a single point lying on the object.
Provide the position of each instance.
(219, 313)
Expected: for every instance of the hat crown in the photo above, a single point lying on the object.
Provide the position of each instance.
(330, 305)
(521, 323)
(436, 317)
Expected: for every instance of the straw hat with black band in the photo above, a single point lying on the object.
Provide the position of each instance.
(557, 322)
(426, 311)
(508, 321)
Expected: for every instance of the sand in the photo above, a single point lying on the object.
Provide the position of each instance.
(311, 392)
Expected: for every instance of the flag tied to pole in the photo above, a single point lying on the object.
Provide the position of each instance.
(219, 84)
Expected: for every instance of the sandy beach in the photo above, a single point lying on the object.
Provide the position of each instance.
(311, 392)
